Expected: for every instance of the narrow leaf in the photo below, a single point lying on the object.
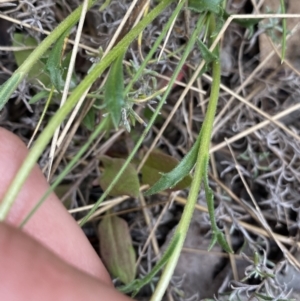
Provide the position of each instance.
(9, 87)
(114, 88)
(223, 242)
(116, 248)
(53, 65)
(157, 163)
(217, 234)
(212, 242)
(38, 96)
(170, 179)
(128, 183)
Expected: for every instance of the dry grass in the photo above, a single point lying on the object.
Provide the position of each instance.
(256, 183)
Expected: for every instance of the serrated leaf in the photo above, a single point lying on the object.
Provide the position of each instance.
(37, 70)
(128, 183)
(114, 88)
(158, 163)
(170, 179)
(201, 6)
(116, 248)
(53, 65)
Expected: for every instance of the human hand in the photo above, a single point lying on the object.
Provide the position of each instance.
(51, 259)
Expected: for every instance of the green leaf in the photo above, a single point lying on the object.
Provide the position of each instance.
(157, 163)
(37, 70)
(89, 119)
(114, 88)
(53, 65)
(206, 54)
(9, 87)
(128, 183)
(38, 96)
(170, 179)
(201, 6)
(223, 242)
(64, 67)
(116, 248)
(248, 23)
(212, 242)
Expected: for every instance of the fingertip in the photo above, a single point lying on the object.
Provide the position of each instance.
(31, 272)
(51, 225)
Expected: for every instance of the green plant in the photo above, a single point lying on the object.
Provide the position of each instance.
(8, 88)
(117, 104)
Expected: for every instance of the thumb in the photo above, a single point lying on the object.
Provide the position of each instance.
(31, 272)
(51, 225)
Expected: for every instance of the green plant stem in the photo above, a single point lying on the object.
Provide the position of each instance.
(43, 115)
(101, 126)
(56, 120)
(12, 83)
(138, 283)
(199, 174)
(155, 114)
